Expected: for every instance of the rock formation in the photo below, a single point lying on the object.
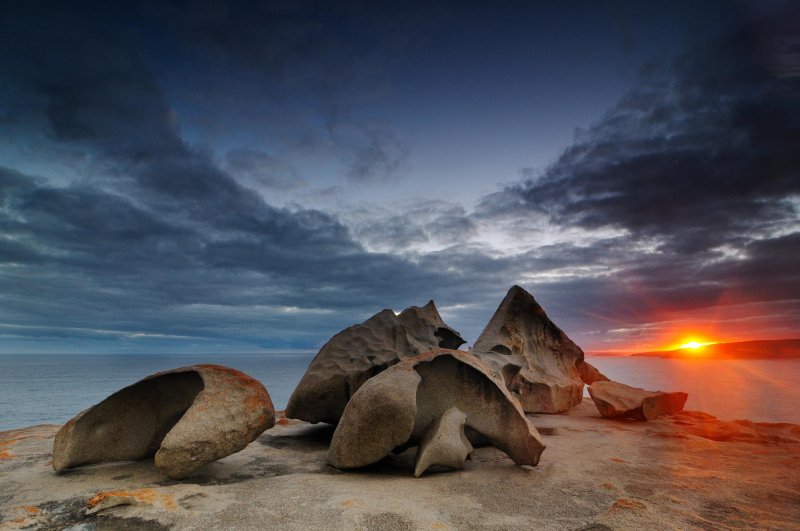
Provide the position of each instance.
(186, 417)
(614, 399)
(443, 443)
(589, 373)
(360, 352)
(535, 358)
(396, 407)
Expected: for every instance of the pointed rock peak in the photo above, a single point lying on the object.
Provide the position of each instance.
(520, 324)
(519, 300)
(535, 357)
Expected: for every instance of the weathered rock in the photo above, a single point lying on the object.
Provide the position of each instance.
(358, 353)
(186, 417)
(535, 358)
(589, 373)
(614, 399)
(443, 443)
(396, 407)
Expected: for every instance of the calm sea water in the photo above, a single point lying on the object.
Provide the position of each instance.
(49, 388)
(759, 390)
(36, 389)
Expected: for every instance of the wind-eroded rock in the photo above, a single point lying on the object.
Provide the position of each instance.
(396, 407)
(359, 352)
(614, 399)
(186, 417)
(443, 443)
(589, 373)
(535, 358)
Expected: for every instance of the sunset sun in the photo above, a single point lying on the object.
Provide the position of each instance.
(694, 347)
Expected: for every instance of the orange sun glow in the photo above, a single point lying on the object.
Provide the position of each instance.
(694, 347)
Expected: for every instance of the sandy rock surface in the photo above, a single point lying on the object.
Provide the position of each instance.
(689, 471)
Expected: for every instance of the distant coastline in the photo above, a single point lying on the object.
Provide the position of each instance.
(763, 349)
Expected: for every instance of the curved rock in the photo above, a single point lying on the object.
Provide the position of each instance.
(396, 407)
(535, 358)
(614, 399)
(361, 351)
(186, 417)
(443, 443)
(589, 373)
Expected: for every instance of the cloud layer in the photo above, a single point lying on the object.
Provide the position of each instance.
(120, 229)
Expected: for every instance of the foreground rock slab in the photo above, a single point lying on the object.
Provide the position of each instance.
(597, 475)
(394, 409)
(358, 353)
(614, 399)
(537, 361)
(185, 417)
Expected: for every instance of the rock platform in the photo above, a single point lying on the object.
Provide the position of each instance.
(686, 471)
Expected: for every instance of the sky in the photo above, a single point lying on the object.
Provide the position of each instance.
(196, 177)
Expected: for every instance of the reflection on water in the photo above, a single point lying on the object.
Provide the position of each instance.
(760, 390)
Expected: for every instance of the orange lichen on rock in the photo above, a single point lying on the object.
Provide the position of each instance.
(709, 427)
(624, 504)
(5, 453)
(113, 498)
(31, 510)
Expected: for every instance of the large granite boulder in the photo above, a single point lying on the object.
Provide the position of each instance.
(534, 357)
(185, 417)
(614, 399)
(358, 353)
(395, 409)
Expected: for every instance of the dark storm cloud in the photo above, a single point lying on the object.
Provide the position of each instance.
(696, 156)
(158, 228)
(306, 56)
(699, 167)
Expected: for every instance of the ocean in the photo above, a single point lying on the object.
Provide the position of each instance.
(48, 388)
